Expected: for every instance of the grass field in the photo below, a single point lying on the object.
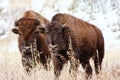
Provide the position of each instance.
(11, 67)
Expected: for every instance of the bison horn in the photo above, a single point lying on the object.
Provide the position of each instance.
(16, 22)
(42, 25)
(64, 25)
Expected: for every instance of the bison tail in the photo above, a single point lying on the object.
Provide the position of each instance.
(100, 56)
(98, 60)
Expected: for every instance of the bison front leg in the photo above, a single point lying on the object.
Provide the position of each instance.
(44, 60)
(58, 62)
(57, 70)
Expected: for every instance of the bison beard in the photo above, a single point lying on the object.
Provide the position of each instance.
(32, 59)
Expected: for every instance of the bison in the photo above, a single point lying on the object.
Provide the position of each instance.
(31, 42)
(86, 39)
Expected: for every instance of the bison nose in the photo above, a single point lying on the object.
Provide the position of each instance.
(53, 48)
(26, 49)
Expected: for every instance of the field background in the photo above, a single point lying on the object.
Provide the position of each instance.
(103, 13)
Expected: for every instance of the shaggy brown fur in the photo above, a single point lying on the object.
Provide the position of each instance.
(34, 15)
(30, 39)
(87, 41)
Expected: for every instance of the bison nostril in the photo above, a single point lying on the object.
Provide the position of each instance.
(26, 50)
(53, 48)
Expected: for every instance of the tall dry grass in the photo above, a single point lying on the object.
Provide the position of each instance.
(11, 69)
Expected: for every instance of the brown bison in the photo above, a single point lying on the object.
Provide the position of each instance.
(31, 43)
(86, 39)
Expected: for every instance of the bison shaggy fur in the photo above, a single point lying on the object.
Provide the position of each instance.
(31, 42)
(87, 42)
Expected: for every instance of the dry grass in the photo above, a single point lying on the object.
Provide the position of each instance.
(11, 69)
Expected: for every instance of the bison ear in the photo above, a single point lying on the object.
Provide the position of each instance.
(66, 29)
(37, 22)
(15, 31)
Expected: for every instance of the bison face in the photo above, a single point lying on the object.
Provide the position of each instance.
(27, 29)
(56, 36)
(25, 25)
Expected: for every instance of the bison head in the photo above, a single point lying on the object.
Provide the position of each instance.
(27, 29)
(56, 36)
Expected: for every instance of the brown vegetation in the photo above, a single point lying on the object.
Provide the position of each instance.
(11, 69)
